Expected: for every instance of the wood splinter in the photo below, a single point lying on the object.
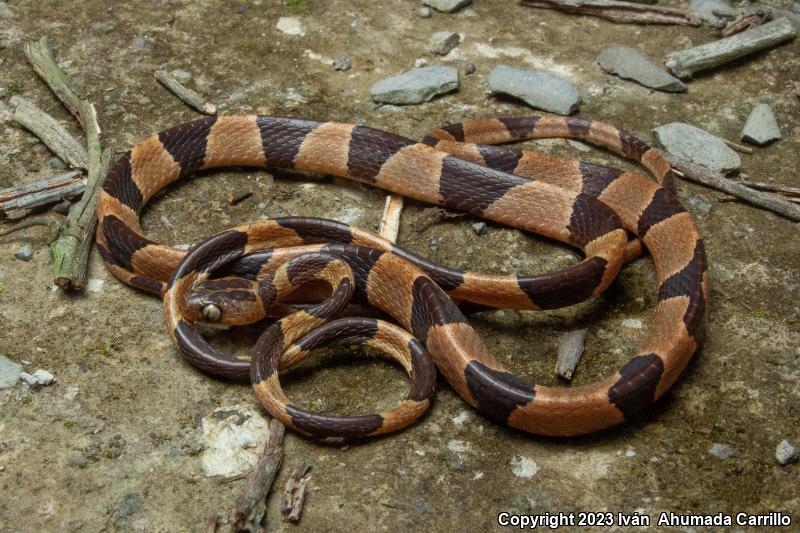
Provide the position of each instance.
(295, 493)
(390, 219)
(189, 96)
(570, 351)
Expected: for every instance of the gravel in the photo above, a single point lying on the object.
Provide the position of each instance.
(723, 451)
(342, 63)
(537, 89)
(9, 372)
(761, 126)
(415, 86)
(24, 253)
(629, 64)
(696, 145)
(785, 453)
(443, 41)
(706, 9)
(447, 6)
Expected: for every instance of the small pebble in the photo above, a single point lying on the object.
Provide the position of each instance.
(524, 467)
(479, 228)
(696, 145)
(700, 205)
(290, 26)
(425, 13)
(24, 253)
(447, 6)
(62, 208)
(469, 68)
(722, 451)
(785, 453)
(342, 63)
(415, 86)
(443, 41)
(55, 162)
(761, 126)
(537, 89)
(242, 9)
(629, 64)
(40, 378)
(102, 26)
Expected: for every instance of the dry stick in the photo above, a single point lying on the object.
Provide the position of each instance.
(184, 93)
(251, 505)
(771, 187)
(618, 11)
(295, 493)
(738, 147)
(71, 247)
(704, 176)
(570, 350)
(50, 132)
(686, 62)
(16, 201)
(390, 219)
(757, 18)
(212, 523)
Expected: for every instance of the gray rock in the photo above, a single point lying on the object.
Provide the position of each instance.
(415, 86)
(24, 252)
(55, 162)
(425, 12)
(342, 63)
(761, 126)
(723, 451)
(785, 453)
(699, 146)
(469, 68)
(537, 89)
(479, 228)
(6, 13)
(40, 378)
(9, 372)
(131, 503)
(700, 205)
(443, 41)
(783, 14)
(629, 64)
(447, 6)
(706, 9)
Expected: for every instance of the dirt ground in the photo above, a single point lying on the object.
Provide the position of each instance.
(116, 443)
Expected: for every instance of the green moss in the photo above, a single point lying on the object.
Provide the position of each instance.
(298, 7)
(13, 88)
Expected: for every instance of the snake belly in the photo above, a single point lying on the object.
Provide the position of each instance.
(591, 216)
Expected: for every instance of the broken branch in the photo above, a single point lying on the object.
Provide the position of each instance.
(686, 62)
(570, 351)
(50, 132)
(251, 505)
(619, 11)
(390, 219)
(704, 176)
(15, 201)
(189, 96)
(295, 493)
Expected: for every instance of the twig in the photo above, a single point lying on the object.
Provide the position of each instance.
(251, 505)
(390, 219)
(212, 523)
(234, 199)
(619, 11)
(771, 187)
(71, 247)
(189, 96)
(702, 175)
(50, 132)
(53, 223)
(757, 18)
(570, 350)
(686, 62)
(16, 201)
(738, 147)
(295, 493)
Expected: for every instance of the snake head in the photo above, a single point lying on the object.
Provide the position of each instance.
(230, 301)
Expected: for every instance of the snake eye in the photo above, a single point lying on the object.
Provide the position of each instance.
(212, 313)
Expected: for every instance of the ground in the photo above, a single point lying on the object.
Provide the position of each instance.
(114, 444)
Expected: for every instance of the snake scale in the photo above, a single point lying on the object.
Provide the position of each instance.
(591, 207)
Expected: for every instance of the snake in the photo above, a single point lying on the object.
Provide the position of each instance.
(591, 207)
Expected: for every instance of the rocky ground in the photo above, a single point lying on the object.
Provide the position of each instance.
(117, 441)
